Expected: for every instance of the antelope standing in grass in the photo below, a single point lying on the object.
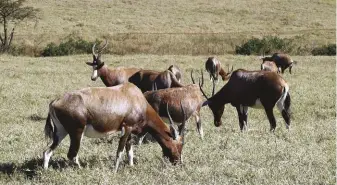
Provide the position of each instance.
(190, 98)
(145, 79)
(269, 66)
(109, 76)
(213, 67)
(256, 89)
(100, 111)
(282, 61)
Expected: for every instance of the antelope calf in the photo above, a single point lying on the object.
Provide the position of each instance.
(282, 61)
(99, 111)
(269, 66)
(256, 89)
(109, 76)
(213, 67)
(190, 98)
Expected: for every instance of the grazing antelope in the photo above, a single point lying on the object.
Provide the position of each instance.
(213, 67)
(109, 76)
(282, 61)
(269, 66)
(256, 89)
(176, 71)
(190, 98)
(99, 111)
(145, 79)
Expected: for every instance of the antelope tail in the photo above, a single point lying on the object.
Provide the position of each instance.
(49, 128)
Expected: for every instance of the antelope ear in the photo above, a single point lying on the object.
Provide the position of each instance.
(89, 63)
(205, 103)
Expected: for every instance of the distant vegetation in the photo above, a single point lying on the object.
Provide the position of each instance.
(329, 50)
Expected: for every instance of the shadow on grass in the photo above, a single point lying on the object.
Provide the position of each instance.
(35, 117)
(32, 168)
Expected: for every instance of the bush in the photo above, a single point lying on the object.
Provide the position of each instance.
(329, 50)
(70, 47)
(265, 45)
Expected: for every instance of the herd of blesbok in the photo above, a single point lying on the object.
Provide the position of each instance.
(136, 100)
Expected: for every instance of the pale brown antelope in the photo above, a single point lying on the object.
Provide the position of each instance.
(176, 71)
(188, 96)
(213, 67)
(109, 76)
(145, 80)
(256, 89)
(282, 61)
(269, 66)
(99, 111)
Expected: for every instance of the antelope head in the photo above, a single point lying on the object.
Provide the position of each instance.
(216, 107)
(96, 63)
(178, 136)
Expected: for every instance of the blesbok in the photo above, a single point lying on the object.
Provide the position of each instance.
(145, 79)
(282, 61)
(213, 67)
(176, 71)
(269, 66)
(109, 76)
(99, 111)
(256, 89)
(190, 98)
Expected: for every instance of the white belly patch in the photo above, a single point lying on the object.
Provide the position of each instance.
(90, 131)
(258, 104)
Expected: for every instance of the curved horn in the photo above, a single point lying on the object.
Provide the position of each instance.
(102, 48)
(173, 130)
(201, 84)
(192, 77)
(93, 49)
(229, 72)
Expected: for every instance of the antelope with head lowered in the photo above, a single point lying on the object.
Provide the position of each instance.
(256, 89)
(109, 76)
(282, 61)
(213, 67)
(188, 96)
(176, 71)
(99, 111)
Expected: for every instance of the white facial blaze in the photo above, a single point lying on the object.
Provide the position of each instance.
(94, 74)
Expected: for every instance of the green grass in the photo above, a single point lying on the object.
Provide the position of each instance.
(178, 27)
(303, 155)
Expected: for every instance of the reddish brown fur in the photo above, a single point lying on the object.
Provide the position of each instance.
(189, 96)
(244, 88)
(109, 109)
(281, 60)
(269, 66)
(213, 67)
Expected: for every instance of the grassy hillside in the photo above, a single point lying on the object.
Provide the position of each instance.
(303, 155)
(152, 25)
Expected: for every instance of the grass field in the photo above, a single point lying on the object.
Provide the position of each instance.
(306, 154)
(156, 27)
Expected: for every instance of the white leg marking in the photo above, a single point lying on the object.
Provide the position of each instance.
(119, 158)
(46, 157)
(130, 156)
(141, 138)
(200, 130)
(280, 102)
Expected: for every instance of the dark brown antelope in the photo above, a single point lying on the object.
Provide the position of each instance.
(269, 66)
(213, 67)
(100, 111)
(282, 61)
(146, 79)
(176, 71)
(188, 96)
(109, 76)
(256, 89)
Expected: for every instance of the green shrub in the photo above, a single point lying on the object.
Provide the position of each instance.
(329, 50)
(70, 47)
(265, 45)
